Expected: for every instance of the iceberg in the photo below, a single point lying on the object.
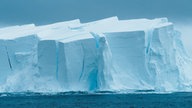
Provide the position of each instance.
(104, 55)
(143, 53)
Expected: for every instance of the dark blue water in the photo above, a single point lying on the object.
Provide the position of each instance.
(101, 100)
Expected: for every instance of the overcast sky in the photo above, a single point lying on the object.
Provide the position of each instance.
(49, 11)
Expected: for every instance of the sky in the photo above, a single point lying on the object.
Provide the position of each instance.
(49, 11)
(18, 12)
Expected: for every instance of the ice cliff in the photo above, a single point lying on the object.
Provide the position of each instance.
(104, 55)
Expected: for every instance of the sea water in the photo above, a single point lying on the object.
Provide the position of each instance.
(96, 100)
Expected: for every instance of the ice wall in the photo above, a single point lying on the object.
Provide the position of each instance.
(108, 54)
(128, 53)
(5, 66)
(143, 53)
(58, 57)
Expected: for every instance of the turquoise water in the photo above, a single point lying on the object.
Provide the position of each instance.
(98, 100)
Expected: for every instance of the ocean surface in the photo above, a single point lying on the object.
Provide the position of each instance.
(96, 100)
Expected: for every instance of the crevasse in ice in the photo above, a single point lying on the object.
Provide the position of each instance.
(108, 54)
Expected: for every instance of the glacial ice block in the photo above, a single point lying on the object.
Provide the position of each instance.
(57, 57)
(160, 58)
(18, 48)
(108, 54)
(127, 41)
(167, 58)
(82, 55)
(128, 52)
(130, 42)
(17, 55)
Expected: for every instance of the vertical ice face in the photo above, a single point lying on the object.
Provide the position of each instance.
(21, 51)
(82, 55)
(17, 56)
(21, 45)
(74, 58)
(61, 70)
(108, 54)
(105, 67)
(163, 47)
(47, 62)
(5, 66)
(145, 52)
(127, 41)
(128, 52)
(161, 60)
(183, 62)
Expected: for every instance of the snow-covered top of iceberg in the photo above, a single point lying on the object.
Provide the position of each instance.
(114, 25)
(64, 35)
(15, 31)
(107, 22)
(59, 25)
(62, 32)
(30, 29)
(139, 24)
(57, 31)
